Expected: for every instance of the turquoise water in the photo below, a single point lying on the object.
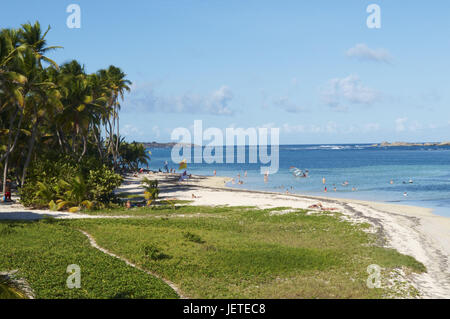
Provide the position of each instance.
(369, 170)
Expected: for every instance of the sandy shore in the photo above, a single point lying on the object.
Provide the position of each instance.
(413, 231)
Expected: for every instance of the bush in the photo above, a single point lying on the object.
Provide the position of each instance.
(101, 183)
(151, 192)
(154, 253)
(63, 183)
(193, 238)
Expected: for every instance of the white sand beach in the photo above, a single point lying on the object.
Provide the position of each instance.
(413, 231)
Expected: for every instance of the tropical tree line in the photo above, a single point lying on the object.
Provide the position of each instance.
(56, 111)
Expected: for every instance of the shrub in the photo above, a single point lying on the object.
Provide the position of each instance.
(193, 238)
(154, 253)
(151, 192)
(64, 183)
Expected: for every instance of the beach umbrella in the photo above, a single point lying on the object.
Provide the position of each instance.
(183, 164)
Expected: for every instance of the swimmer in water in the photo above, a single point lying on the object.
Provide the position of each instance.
(324, 180)
(326, 189)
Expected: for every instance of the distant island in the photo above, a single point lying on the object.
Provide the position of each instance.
(164, 145)
(399, 144)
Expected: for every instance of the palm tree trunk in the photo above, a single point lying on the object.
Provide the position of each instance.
(30, 151)
(97, 140)
(5, 174)
(117, 137)
(11, 122)
(84, 149)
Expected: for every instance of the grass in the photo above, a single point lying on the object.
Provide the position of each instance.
(222, 252)
(43, 250)
(161, 207)
(247, 253)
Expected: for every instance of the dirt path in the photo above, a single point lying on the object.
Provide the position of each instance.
(129, 263)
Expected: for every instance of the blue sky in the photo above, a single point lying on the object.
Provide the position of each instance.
(312, 68)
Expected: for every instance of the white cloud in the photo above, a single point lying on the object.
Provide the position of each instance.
(156, 131)
(130, 130)
(348, 90)
(400, 124)
(370, 127)
(285, 104)
(329, 128)
(217, 102)
(362, 52)
(287, 128)
(415, 126)
(268, 125)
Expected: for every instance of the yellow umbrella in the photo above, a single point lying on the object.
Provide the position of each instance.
(183, 164)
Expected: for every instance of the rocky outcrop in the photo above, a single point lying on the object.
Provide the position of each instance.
(400, 144)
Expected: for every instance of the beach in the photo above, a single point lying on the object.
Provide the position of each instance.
(413, 231)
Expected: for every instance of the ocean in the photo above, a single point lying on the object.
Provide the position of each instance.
(368, 171)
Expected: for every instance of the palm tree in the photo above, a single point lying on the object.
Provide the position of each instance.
(117, 85)
(11, 92)
(47, 107)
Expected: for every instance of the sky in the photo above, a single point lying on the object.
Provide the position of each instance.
(313, 69)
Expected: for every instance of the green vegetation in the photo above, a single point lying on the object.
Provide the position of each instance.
(57, 117)
(69, 183)
(43, 250)
(208, 252)
(151, 190)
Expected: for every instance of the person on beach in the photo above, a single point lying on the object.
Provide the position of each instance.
(166, 166)
(8, 191)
